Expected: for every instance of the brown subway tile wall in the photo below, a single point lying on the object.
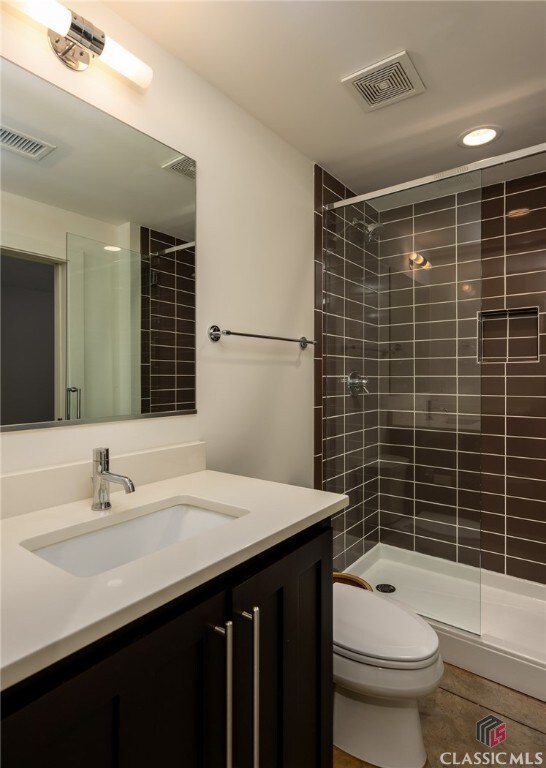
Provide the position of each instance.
(347, 323)
(456, 436)
(449, 458)
(167, 325)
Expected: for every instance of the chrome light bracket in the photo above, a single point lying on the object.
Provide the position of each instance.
(82, 42)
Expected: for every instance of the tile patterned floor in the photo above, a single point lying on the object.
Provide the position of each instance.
(449, 716)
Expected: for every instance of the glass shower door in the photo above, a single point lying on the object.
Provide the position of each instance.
(430, 256)
(103, 330)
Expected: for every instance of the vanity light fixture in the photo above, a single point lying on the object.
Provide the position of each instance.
(115, 248)
(76, 41)
(418, 260)
(483, 134)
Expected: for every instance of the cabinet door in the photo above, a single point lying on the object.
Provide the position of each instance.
(160, 701)
(294, 598)
(173, 706)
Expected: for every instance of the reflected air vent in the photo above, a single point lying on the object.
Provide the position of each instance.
(29, 146)
(183, 165)
(386, 82)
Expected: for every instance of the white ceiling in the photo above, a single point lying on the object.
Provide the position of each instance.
(481, 62)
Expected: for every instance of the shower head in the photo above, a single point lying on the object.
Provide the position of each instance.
(372, 231)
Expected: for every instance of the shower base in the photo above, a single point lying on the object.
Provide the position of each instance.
(488, 623)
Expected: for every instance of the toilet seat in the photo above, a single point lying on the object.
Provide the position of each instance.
(361, 658)
(380, 632)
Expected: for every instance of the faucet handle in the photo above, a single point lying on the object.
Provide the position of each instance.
(356, 383)
(102, 456)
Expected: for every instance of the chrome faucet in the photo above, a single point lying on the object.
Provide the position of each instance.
(102, 477)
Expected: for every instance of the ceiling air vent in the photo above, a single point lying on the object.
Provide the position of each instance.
(182, 164)
(386, 82)
(28, 146)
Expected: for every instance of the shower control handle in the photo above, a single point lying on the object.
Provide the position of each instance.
(356, 383)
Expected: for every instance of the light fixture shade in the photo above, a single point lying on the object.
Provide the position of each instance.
(51, 14)
(126, 63)
(77, 30)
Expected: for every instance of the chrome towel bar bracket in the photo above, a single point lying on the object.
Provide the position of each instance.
(215, 334)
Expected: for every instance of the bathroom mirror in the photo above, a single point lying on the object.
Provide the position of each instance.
(97, 263)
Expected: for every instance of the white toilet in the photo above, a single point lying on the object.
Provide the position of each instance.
(385, 658)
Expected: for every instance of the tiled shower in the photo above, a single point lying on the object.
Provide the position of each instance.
(447, 454)
(167, 324)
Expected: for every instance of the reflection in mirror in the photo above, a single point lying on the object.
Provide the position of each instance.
(97, 265)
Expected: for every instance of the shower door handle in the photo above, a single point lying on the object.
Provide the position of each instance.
(356, 383)
(69, 392)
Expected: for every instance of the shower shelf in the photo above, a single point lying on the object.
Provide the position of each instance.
(509, 335)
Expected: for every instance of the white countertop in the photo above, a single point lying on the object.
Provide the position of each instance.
(48, 613)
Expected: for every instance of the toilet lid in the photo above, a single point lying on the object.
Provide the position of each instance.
(380, 628)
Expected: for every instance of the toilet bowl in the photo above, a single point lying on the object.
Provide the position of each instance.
(385, 658)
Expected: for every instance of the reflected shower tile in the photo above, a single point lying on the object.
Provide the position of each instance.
(492, 248)
(436, 404)
(432, 348)
(440, 513)
(469, 212)
(526, 241)
(435, 220)
(437, 204)
(441, 366)
(401, 298)
(533, 198)
(491, 267)
(469, 196)
(396, 229)
(443, 329)
(436, 548)
(397, 522)
(397, 246)
(534, 220)
(471, 270)
(436, 385)
(492, 228)
(394, 214)
(437, 275)
(437, 476)
(471, 252)
(435, 239)
(396, 538)
(370, 212)
(435, 530)
(425, 313)
(435, 439)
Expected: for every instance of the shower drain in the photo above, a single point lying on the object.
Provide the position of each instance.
(385, 588)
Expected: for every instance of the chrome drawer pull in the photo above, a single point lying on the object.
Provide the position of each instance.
(255, 618)
(228, 634)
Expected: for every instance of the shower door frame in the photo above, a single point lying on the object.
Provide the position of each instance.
(478, 165)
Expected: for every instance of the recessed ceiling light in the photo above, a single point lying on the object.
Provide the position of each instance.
(111, 248)
(478, 136)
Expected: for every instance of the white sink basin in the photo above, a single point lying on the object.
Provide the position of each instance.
(116, 540)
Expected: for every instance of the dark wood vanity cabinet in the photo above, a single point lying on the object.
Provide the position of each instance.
(156, 692)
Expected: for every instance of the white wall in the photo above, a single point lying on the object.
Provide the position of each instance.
(254, 236)
(29, 225)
